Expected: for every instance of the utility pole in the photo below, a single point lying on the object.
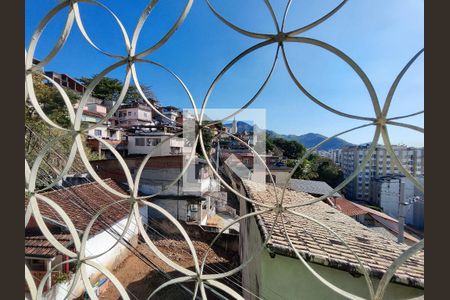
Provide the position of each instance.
(217, 154)
(402, 204)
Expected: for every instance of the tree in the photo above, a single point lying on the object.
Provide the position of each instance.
(39, 133)
(304, 171)
(313, 167)
(134, 95)
(109, 89)
(291, 149)
(51, 102)
(207, 136)
(328, 171)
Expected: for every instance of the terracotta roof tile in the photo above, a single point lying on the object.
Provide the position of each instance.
(375, 251)
(348, 207)
(82, 202)
(38, 245)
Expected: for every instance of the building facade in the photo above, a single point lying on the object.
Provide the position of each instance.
(133, 114)
(188, 200)
(389, 191)
(144, 143)
(380, 164)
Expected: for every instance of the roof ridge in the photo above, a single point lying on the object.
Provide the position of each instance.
(109, 179)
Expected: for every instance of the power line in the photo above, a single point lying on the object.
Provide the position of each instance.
(134, 250)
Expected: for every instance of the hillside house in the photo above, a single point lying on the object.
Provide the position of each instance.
(172, 113)
(141, 143)
(66, 81)
(280, 173)
(133, 114)
(93, 113)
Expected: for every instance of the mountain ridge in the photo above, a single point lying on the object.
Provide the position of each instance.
(308, 140)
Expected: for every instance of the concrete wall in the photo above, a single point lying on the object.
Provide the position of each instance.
(94, 107)
(102, 128)
(177, 208)
(286, 278)
(250, 248)
(419, 215)
(164, 149)
(281, 177)
(389, 196)
(111, 259)
(184, 210)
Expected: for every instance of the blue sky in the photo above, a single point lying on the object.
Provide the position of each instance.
(381, 36)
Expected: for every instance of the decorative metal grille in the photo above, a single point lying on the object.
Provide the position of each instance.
(75, 132)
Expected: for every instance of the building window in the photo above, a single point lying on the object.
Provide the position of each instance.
(98, 132)
(268, 180)
(129, 113)
(175, 150)
(153, 142)
(37, 264)
(139, 142)
(193, 207)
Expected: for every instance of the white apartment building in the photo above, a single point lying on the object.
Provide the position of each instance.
(144, 143)
(387, 193)
(133, 114)
(334, 154)
(380, 164)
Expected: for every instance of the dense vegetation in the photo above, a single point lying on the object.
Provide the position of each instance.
(110, 88)
(38, 132)
(313, 167)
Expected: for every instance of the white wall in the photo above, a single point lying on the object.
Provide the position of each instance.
(280, 176)
(135, 113)
(390, 196)
(95, 108)
(163, 150)
(103, 129)
(111, 259)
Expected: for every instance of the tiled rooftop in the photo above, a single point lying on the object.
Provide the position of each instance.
(312, 187)
(80, 202)
(347, 207)
(38, 245)
(316, 244)
(353, 209)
